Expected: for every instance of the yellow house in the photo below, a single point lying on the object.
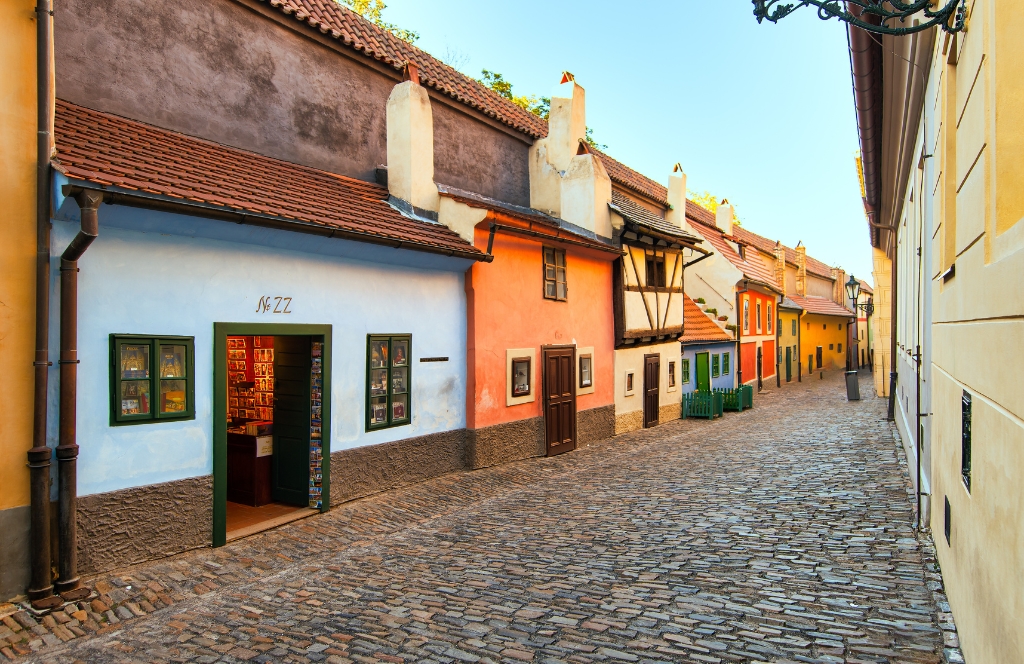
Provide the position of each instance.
(17, 287)
(790, 366)
(824, 333)
(944, 192)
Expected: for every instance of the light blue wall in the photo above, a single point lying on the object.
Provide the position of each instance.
(723, 381)
(167, 274)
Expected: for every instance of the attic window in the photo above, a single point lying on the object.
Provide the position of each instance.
(555, 286)
(656, 271)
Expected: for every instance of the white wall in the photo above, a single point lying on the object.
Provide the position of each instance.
(159, 273)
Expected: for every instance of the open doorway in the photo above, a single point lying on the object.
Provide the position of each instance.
(271, 457)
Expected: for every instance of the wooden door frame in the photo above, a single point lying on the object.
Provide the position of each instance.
(543, 386)
(696, 368)
(221, 332)
(657, 414)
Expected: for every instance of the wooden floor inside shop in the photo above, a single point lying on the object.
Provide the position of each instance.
(245, 520)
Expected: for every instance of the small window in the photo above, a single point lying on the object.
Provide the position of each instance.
(656, 271)
(715, 365)
(686, 371)
(671, 374)
(771, 318)
(794, 327)
(840, 349)
(746, 315)
(758, 316)
(521, 376)
(824, 326)
(831, 346)
(387, 381)
(586, 370)
(725, 364)
(151, 379)
(840, 327)
(965, 439)
(555, 285)
(629, 383)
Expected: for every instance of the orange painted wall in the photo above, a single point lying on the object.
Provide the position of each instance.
(506, 309)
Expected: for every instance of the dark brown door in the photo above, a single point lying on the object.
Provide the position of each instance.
(652, 376)
(560, 398)
(290, 467)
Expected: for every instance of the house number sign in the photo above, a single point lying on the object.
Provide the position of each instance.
(274, 305)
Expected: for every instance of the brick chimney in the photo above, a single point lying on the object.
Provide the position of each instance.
(839, 285)
(780, 267)
(801, 269)
(723, 217)
(677, 197)
(410, 128)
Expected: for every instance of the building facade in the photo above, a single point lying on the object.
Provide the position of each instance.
(943, 196)
(708, 355)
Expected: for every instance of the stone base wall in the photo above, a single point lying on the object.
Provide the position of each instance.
(673, 411)
(502, 443)
(15, 573)
(595, 424)
(130, 526)
(626, 422)
(364, 471)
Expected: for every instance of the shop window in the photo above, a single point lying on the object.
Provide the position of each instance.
(685, 369)
(586, 370)
(555, 285)
(151, 379)
(656, 271)
(715, 365)
(965, 439)
(725, 364)
(671, 374)
(521, 377)
(387, 381)
(758, 316)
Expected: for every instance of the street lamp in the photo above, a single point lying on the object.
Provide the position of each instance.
(884, 17)
(852, 387)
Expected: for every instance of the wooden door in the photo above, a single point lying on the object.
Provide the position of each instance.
(290, 468)
(789, 363)
(704, 372)
(652, 385)
(559, 378)
(818, 356)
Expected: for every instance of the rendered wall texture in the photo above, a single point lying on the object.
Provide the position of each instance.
(824, 331)
(881, 321)
(631, 360)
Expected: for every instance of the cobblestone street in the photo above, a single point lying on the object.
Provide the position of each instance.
(782, 534)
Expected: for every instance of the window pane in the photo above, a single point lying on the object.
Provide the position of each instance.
(172, 396)
(379, 354)
(135, 397)
(586, 366)
(549, 256)
(561, 290)
(560, 275)
(378, 382)
(399, 380)
(378, 411)
(134, 361)
(520, 378)
(549, 289)
(400, 408)
(172, 361)
(400, 350)
(549, 272)
(560, 258)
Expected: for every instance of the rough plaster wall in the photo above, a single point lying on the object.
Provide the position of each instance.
(595, 424)
(364, 471)
(673, 411)
(629, 422)
(502, 443)
(215, 69)
(130, 526)
(470, 155)
(15, 572)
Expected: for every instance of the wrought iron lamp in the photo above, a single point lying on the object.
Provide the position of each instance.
(892, 15)
(853, 290)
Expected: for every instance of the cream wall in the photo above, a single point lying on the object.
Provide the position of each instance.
(974, 116)
(629, 407)
(881, 322)
(17, 287)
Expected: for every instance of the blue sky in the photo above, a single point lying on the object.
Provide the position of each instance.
(760, 114)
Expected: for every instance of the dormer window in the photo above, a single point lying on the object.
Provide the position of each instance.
(656, 271)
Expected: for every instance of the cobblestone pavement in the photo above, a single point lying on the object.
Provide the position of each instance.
(782, 534)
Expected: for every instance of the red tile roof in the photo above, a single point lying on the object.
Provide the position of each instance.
(698, 326)
(111, 150)
(752, 269)
(355, 32)
(814, 266)
(866, 287)
(823, 306)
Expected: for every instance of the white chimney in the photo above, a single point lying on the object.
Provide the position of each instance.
(723, 217)
(551, 156)
(586, 192)
(677, 197)
(411, 144)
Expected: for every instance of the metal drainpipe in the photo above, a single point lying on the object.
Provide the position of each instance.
(799, 348)
(67, 451)
(893, 374)
(40, 590)
(739, 336)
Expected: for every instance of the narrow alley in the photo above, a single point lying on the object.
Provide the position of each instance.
(781, 534)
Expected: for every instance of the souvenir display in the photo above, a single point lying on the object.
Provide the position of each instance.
(520, 376)
(398, 380)
(172, 396)
(378, 354)
(135, 397)
(398, 410)
(316, 475)
(401, 353)
(250, 377)
(172, 361)
(134, 361)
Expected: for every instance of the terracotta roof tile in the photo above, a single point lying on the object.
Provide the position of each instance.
(641, 216)
(753, 270)
(814, 266)
(813, 304)
(111, 150)
(698, 326)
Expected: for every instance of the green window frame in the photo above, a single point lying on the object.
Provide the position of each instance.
(685, 370)
(715, 360)
(725, 364)
(388, 380)
(152, 379)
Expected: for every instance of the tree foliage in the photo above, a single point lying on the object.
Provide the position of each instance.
(710, 202)
(540, 106)
(373, 11)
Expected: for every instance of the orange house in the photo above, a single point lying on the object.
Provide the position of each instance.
(540, 356)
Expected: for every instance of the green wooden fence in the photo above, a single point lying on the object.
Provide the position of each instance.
(702, 404)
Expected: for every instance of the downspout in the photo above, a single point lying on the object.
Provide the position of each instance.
(891, 415)
(739, 336)
(67, 451)
(799, 348)
(40, 590)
